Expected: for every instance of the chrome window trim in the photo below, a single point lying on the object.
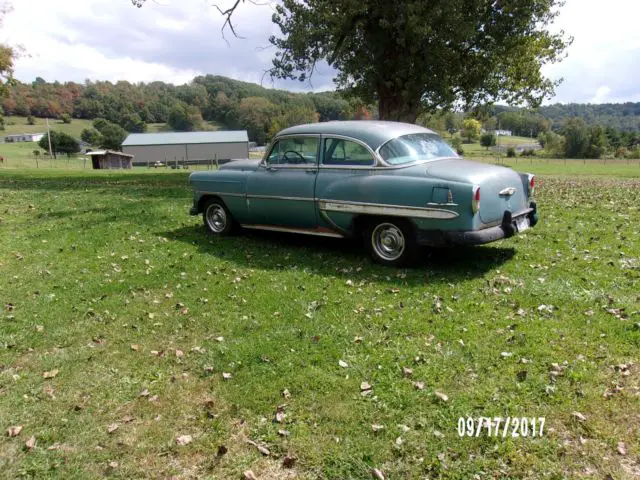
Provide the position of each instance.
(263, 162)
(374, 155)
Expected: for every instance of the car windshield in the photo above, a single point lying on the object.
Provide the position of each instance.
(415, 147)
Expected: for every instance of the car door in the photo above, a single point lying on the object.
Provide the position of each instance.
(281, 191)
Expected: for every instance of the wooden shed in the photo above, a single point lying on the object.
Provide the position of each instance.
(110, 160)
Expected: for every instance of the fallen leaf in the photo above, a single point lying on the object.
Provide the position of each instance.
(280, 416)
(219, 339)
(364, 386)
(112, 428)
(179, 353)
(51, 374)
(288, 461)
(284, 433)
(407, 372)
(622, 448)
(135, 347)
(144, 393)
(226, 376)
(418, 385)
(441, 396)
(343, 364)
(377, 474)
(579, 416)
(286, 393)
(183, 440)
(113, 464)
(376, 428)
(249, 475)
(14, 431)
(32, 443)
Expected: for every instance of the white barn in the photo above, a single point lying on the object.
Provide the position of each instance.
(187, 147)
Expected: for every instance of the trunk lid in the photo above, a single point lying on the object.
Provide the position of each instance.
(501, 188)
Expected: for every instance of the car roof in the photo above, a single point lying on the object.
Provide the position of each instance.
(372, 132)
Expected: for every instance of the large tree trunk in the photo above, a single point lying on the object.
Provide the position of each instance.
(397, 105)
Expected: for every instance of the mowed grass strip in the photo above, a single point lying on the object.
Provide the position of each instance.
(134, 314)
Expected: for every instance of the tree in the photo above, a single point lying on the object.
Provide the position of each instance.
(416, 54)
(60, 143)
(65, 117)
(255, 115)
(91, 136)
(31, 120)
(133, 123)
(598, 142)
(471, 129)
(184, 118)
(488, 140)
(6, 58)
(112, 136)
(554, 145)
(577, 138)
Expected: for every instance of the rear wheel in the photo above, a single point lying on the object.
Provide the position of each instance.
(217, 218)
(391, 242)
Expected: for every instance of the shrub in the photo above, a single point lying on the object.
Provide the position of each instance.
(621, 152)
(31, 120)
(528, 152)
(511, 152)
(460, 150)
(65, 117)
(488, 140)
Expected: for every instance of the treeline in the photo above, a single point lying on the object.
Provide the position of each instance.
(232, 103)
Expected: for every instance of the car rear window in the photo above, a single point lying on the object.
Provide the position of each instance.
(415, 147)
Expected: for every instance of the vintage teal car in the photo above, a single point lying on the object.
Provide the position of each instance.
(399, 186)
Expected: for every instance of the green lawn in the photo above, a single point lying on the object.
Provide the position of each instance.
(120, 316)
(15, 125)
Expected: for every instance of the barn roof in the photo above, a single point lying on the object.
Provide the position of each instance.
(104, 152)
(181, 138)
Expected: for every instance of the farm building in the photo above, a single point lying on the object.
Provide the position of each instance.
(110, 160)
(187, 147)
(24, 137)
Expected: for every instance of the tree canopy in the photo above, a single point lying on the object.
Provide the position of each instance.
(6, 57)
(414, 55)
(60, 143)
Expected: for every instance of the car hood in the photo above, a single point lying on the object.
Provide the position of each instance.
(244, 164)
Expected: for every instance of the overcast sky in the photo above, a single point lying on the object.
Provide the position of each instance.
(175, 40)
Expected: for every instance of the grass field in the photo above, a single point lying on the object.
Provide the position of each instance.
(16, 125)
(121, 319)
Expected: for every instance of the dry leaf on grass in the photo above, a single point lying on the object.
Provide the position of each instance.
(622, 448)
(579, 416)
(418, 385)
(288, 461)
(14, 431)
(183, 440)
(50, 374)
(377, 474)
(407, 372)
(30, 443)
(249, 475)
(343, 364)
(441, 396)
(226, 376)
(112, 428)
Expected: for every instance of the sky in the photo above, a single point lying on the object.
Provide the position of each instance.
(176, 40)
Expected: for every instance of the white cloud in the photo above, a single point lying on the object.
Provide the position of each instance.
(175, 40)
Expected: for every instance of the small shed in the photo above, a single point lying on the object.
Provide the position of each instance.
(109, 160)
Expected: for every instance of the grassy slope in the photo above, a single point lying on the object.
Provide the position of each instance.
(99, 271)
(20, 126)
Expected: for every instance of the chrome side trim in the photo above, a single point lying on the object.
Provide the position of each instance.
(272, 228)
(333, 224)
(376, 158)
(278, 197)
(384, 209)
(435, 204)
(228, 194)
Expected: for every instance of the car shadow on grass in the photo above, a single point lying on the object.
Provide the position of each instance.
(339, 257)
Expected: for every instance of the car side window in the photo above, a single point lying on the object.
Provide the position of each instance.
(340, 152)
(294, 151)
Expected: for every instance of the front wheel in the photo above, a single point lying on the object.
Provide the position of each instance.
(217, 218)
(391, 242)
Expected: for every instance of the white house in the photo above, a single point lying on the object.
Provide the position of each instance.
(24, 137)
(503, 133)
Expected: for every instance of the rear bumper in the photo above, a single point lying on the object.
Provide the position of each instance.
(506, 229)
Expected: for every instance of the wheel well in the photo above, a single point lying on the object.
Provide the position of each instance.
(205, 198)
(361, 222)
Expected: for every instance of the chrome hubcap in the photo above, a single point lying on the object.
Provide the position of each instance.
(388, 241)
(216, 218)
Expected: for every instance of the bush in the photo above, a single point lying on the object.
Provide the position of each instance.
(621, 152)
(528, 152)
(511, 152)
(460, 150)
(31, 120)
(488, 140)
(65, 117)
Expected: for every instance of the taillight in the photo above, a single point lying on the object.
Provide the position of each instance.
(475, 200)
(532, 184)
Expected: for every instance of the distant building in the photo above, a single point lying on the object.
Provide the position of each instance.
(24, 137)
(187, 147)
(110, 160)
(503, 133)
